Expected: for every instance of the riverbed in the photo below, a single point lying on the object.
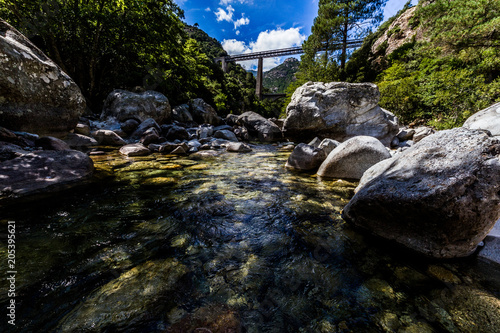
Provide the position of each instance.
(181, 244)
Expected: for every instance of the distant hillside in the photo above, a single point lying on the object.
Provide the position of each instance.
(279, 78)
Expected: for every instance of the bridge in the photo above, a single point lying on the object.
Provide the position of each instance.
(272, 54)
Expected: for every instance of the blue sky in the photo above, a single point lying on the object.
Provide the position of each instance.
(244, 26)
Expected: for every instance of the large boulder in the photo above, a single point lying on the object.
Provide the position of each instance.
(339, 110)
(43, 171)
(108, 138)
(305, 157)
(181, 114)
(487, 119)
(203, 113)
(353, 157)
(259, 127)
(439, 197)
(35, 94)
(123, 105)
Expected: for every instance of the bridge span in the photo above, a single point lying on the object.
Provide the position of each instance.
(272, 54)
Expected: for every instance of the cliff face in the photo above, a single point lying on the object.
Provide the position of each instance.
(280, 77)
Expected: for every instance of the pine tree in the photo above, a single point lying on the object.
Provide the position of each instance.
(341, 20)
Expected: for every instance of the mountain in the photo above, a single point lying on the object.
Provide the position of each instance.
(280, 77)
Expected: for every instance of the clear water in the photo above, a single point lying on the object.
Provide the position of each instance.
(232, 244)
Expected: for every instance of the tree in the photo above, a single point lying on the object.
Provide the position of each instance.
(337, 22)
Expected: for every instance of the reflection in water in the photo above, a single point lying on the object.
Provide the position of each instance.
(169, 244)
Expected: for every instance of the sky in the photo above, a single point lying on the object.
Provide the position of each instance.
(244, 26)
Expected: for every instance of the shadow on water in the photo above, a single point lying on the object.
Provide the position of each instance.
(169, 244)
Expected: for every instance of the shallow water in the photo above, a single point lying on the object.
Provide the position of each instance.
(164, 243)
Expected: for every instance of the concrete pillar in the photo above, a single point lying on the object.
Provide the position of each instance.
(224, 65)
(258, 88)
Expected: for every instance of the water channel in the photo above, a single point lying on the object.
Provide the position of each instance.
(235, 243)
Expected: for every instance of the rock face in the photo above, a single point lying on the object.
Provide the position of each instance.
(43, 171)
(487, 119)
(130, 300)
(439, 197)
(123, 105)
(339, 110)
(259, 127)
(35, 94)
(353, 157)
(305, 157)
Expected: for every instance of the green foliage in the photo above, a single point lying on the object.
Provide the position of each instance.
(280, 77)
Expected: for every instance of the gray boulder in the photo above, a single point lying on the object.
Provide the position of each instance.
(82, 129)
(108, 138)
(487, 119)
(260, 127)
(123, 105)
(226, 135)
(135, 149)
(129, 126)
(203, 113)
(421, 132)
(51, 143)
(42, 172)
(340, 111)
(181, 114)
(306, 157)
(328, 145)
(439, 197)
(353, 157)
(143, 127)
(35, 94)
(238, 147)
(79, 141)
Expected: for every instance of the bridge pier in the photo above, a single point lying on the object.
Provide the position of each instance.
(260, 74)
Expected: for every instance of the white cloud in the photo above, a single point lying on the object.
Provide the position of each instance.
(228, 2)
(242, 21)
(208, 9)
(267, 40)
(224, 15)
(237, 32)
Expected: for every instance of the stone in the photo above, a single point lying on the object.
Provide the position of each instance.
(211, 318)
(203, 113)
(487, 119)
(241, 133)
(259, 127)
(223, 127)
(406, 134)
(328, 145)
(177, 133)
(135, 149)
(167, 148)
(315, 142)
(205, 132)
(439, 197)
(226, 135)
(108, 138)
(9, 151)
(129, 126)
(123, 105)
(339, 110)
(422, 132)
(51, 143)
(179, 151)
(181, 114)
(79, 141)
(150, 136)
(231, 119)
(238, 147)
(194, 144)
(35, 94)
(143, 127)
(7, 135)
(129, 301)
(43, 172)
(205, 154)
(306, 157)
(82, 129)
(353, 157)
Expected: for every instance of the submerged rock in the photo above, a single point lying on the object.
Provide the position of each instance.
(78, 141)
(238, 147)
(109, 138)
(340, 111)
(129, 301)
(43, 171)
(439, 197)
(353, 157)
(35, 94)
(306, 157)
(212, 318)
